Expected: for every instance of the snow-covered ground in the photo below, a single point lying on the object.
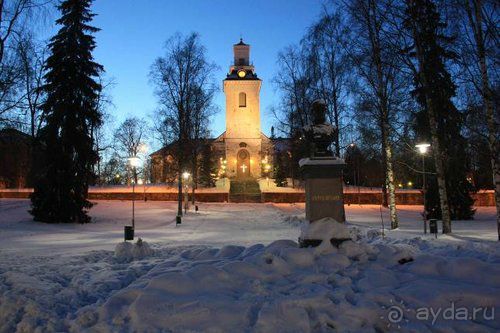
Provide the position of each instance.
(237, 268)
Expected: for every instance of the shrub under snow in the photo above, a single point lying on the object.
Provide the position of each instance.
(126, 251)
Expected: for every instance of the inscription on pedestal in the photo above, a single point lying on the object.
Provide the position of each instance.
(324, 197)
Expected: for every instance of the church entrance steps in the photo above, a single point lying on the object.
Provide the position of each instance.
(245, 190)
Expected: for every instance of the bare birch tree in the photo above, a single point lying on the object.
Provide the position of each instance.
(378, 68)
(327, 42)
(479, 55)
(32, 58)
(183, 80)
(130, 136)
(16, 17)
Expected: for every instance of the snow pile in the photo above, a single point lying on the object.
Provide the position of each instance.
(274, 288)
(325, 229)
(284, 288)
(295, 220)
(126, 251)
(49, 281)
(39, 294)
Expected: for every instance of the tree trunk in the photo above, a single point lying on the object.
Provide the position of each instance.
(390, 180)
(488, 101)
(195, 181)
(179, 196)
(438, 161)
(385, 201)
(438, 155)
(436, 147)
(336, 123)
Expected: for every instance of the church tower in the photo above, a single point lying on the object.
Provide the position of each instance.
(243, 137)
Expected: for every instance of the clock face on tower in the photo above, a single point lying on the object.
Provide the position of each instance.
(242, 73)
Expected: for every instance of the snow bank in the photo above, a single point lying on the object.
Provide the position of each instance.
(324, 229)
(247, 287)
(295, 220)
(40, 294)
(275, 288)
(284, 288)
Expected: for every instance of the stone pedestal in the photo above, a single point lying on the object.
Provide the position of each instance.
(323, 186)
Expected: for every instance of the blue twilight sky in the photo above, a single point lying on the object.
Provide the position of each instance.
(134, 32)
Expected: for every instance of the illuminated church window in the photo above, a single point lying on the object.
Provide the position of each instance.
(243, 100)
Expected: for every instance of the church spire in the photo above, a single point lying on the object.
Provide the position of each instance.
(241, 69)
(241, 54)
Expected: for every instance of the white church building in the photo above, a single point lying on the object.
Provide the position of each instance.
(242, 149)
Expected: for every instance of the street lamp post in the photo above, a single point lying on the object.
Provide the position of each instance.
(185, 176)
(267, 170)
(422, 149)
(134, 162)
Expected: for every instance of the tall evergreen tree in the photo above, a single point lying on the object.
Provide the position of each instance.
(60, 194)
(439, 118)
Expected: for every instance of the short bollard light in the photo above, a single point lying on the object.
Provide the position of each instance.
(433, 227)
(129, 232)
(178, 219)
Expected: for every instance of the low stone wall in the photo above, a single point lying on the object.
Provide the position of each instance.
(202, 197)
(482, 198)
(15, 195)
(154, 196)
(283, 197)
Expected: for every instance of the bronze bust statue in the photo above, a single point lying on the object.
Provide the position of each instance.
(320, 134)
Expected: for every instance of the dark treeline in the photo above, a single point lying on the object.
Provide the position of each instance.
(395, 74)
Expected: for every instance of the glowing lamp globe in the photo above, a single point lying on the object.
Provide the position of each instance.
(423, 147)
(134, 161)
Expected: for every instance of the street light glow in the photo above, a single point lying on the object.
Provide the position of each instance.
(423, 148)
(134, 161)
(186, 175)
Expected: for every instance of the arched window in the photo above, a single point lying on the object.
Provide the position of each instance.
(243, 100)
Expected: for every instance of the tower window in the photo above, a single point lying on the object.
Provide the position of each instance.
(243, 100)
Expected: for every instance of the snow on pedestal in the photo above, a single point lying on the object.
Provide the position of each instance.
(325, 229)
